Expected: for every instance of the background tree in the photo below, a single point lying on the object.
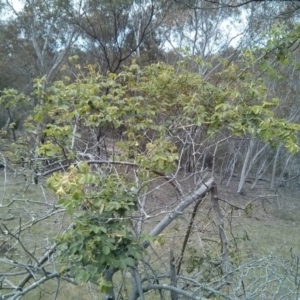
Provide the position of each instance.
(113, 31)
(42, 26)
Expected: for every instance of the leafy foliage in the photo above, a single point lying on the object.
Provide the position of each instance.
(149, 108)
(100, 237)
(148, 104)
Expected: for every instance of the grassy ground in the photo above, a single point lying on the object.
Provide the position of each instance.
(269, 227)
(31, 213)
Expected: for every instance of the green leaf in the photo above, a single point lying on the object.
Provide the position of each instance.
(129, 261)
(103, 229)
(83, 167)
(105, 250)
(104, 286)
(257, 109)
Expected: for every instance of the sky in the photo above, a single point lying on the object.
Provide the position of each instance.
(16, 4)
(231, 30)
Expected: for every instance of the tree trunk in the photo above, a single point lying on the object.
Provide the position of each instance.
(245, 171)
(272, 185)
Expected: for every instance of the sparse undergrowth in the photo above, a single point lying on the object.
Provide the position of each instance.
(266, 236)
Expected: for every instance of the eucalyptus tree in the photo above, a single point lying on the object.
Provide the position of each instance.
(113, 31)
(42, 27)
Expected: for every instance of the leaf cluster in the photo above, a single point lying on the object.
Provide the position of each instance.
(101, 235)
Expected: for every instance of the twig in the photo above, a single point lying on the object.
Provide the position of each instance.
(226, 265)
(188, 232)
(173, 289)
